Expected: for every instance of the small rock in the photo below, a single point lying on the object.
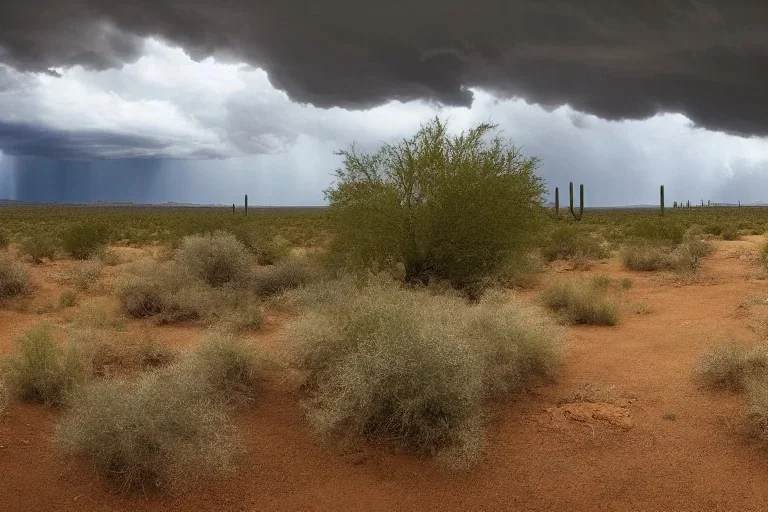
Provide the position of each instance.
(25, 442)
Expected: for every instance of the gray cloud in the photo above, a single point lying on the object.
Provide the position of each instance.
(703, 58)
(19, 139)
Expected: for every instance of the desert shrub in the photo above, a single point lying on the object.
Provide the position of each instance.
(626, 283)
(67, 299)
(4, 240)
(654, 256)
(99, 314)
(659, 230)
(757, 407)
(14, 279)
(764, 255)
(447, 208)
(730, 233)
(729, 366)
(266, 251)
(582, 302)
(567, 241)
(523, 272)
(225, 364)
(644, 257)
(160, 430)
(83, 241)
(414, 368)
(245, 318)
(284, 275)
(518, 344)
(84, 274)
(150, 289)
(42, 370)
(110, 354)
(215, 258)
(109, 257)
(713, 229)
(40, 245)
(4, 396)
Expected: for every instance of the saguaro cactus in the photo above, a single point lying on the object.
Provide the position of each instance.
(557, 202)
(661, 197)
(233, 208)
(246, 205)
(581, 200)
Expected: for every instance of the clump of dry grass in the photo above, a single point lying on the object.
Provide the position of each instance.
(651, 256)
(284, 275)
(42, 370)
(109, 354)
(411, 367)
(99, 314)
(160, 430)
(168, 292)
(160, 289)
(730, 367)
(14, 278)
(757, 407)
(244, 318)
(168, 427)
(85, 273)
(67, 299)
(518, 344)
(225, 364)
(214, 258)
(582, 302)
(4, 396)
(568, 242)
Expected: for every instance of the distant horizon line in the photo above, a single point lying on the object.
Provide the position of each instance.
(549, 204)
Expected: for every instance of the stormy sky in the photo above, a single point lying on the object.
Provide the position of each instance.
(202, 101)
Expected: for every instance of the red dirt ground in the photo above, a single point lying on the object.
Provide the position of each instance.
(543, 453)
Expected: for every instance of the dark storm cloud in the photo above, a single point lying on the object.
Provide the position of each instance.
(19, 139)
(707, 59)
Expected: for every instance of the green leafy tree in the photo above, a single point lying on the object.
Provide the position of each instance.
(451, 207)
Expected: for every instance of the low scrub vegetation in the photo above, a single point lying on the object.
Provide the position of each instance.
(85, 273)
(569, 242)
(160, 430)
(67, 299)
(108, 353)
(168, 294)
(85, 240)
(659, 230)
(14, 278)
(98, 314)
(4, 396)
(284, 275)
(683, 257)
(168, 427)
(764, 255)
(42, 370)
(226, 365)
(757, 407)
(214, 258)
(266, 251)
(730, 233)
(38, 246)
(730, 367)
(583, 301)
(414, 368)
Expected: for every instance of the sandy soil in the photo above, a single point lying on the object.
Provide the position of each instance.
(651, 441)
